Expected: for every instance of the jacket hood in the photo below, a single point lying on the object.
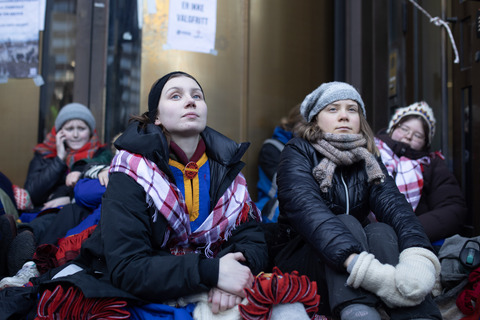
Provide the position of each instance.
(149, 142)
(400, 148)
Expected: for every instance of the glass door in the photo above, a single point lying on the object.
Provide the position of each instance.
(91, 54)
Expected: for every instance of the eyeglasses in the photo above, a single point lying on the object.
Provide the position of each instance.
(406, 130)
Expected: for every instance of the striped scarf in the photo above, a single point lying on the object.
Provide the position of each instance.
(48, 148)
(231, 209)
(407, 173)
(345, 150)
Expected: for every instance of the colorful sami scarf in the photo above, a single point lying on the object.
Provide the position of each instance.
(231, 210)
(48, 148)
(407, 173)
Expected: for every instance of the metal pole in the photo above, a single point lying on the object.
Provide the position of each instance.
(444, 86)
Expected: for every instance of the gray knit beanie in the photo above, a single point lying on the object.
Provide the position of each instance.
(73, 111)
(326, 94)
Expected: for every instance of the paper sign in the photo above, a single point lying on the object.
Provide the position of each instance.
(19, 32)
(192, 25)
(19, 20)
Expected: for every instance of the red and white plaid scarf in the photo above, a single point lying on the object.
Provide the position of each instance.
(407, 173)
(231, 209)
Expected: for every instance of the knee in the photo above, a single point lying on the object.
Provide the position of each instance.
(380, 230)
(350, 221)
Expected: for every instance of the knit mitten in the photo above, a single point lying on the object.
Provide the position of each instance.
(378, 278)
(416, 273)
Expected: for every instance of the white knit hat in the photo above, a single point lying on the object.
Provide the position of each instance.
(420, 109)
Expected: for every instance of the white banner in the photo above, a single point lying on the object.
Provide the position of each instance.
(19, 20)
(192, 25)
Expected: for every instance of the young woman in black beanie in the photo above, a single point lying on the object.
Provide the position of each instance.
(329, 180)
(177, 185)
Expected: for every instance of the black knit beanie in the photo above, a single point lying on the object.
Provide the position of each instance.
(156, 92)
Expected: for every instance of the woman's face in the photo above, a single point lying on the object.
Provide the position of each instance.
(182, 109)
(77, 133)
(410, 132)
(341, 116)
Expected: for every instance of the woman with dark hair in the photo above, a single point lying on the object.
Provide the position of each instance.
(330, 178)
(421, 175)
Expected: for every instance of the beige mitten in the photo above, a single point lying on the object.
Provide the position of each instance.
(416, 273)
(378, 278)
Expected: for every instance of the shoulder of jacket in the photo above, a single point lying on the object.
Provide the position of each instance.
(223, 149)
(299, 143)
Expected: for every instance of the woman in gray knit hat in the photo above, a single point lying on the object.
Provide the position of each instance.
(59, 160)
(68, 151)
(329, 180)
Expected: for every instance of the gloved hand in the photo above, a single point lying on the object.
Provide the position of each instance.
(378, 278)
(416, 273)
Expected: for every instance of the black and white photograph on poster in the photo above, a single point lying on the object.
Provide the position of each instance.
(19, 30)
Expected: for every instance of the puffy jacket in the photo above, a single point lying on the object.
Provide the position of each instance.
(46, 176)
(126, 246)
(442, 209)
(312, 213)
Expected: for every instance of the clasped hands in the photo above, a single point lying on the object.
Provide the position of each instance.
(233, 278)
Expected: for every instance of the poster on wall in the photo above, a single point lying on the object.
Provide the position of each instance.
(192, 25)
(20, 23)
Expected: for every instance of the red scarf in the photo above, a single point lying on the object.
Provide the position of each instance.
(468, 299)
(48, 148)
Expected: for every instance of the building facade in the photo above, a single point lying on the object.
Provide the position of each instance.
(268, 55)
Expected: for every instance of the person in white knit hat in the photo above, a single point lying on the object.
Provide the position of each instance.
(330, 178)
(420, 174)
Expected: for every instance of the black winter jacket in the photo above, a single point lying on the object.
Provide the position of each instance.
(125, 249)
(312, 213)
(46, 176)
(442, 209)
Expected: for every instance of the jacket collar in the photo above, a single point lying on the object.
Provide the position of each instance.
(400, 148)
(151, 143)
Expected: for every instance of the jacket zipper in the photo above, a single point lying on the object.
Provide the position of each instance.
(346, 194)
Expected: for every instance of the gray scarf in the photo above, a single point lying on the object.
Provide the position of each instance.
(344, 149)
